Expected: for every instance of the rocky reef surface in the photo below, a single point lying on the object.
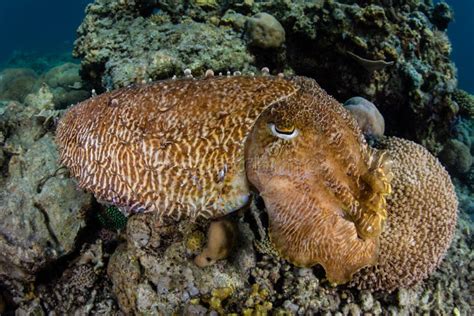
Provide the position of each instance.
(60, 258)
(63, 82)
(41, 211)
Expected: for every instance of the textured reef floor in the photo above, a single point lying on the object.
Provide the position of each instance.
(64, 253)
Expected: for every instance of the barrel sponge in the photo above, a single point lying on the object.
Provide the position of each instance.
(422, 213)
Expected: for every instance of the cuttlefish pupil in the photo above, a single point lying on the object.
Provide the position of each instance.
(288, 132)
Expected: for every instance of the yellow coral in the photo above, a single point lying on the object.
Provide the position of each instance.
(218, 296)
(195, 241)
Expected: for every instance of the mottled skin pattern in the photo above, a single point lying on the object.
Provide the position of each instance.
(174, 147)
(181, 149)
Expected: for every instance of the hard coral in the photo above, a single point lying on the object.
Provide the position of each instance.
(16, 83)
(264, 31)
(465, 102)
(422, 213)
(456, 156)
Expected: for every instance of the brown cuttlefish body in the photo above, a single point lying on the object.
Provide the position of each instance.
(190, 148)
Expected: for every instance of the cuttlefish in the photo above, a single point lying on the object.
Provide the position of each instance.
(197, 148)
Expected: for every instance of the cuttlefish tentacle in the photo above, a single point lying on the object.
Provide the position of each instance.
(369, 211)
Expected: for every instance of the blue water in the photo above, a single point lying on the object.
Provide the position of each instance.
(39, 26)
(461, 33)
(50, 26)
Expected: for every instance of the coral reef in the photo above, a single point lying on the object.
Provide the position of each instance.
(456, 156)
(39, 62)
(394, 53)
(170, 48)
(153, 272)
(465, 102)
(41, 211)
(66, 85)
(81, 289)
(55, 252)
(62, 82)
(264, 31)
(162, 277)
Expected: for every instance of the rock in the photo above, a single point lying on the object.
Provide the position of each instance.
(16, 83)
(366, 301)
(160, 49)
(264, 31)
(196, 310)
(368, 117)
(166, 265)
(66, 85)
(352, 309)
(456, 156)
(407, 298)
(65, 75)
(41, 211)
(41, 100)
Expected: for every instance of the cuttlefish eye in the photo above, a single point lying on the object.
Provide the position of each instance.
(284, 133)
